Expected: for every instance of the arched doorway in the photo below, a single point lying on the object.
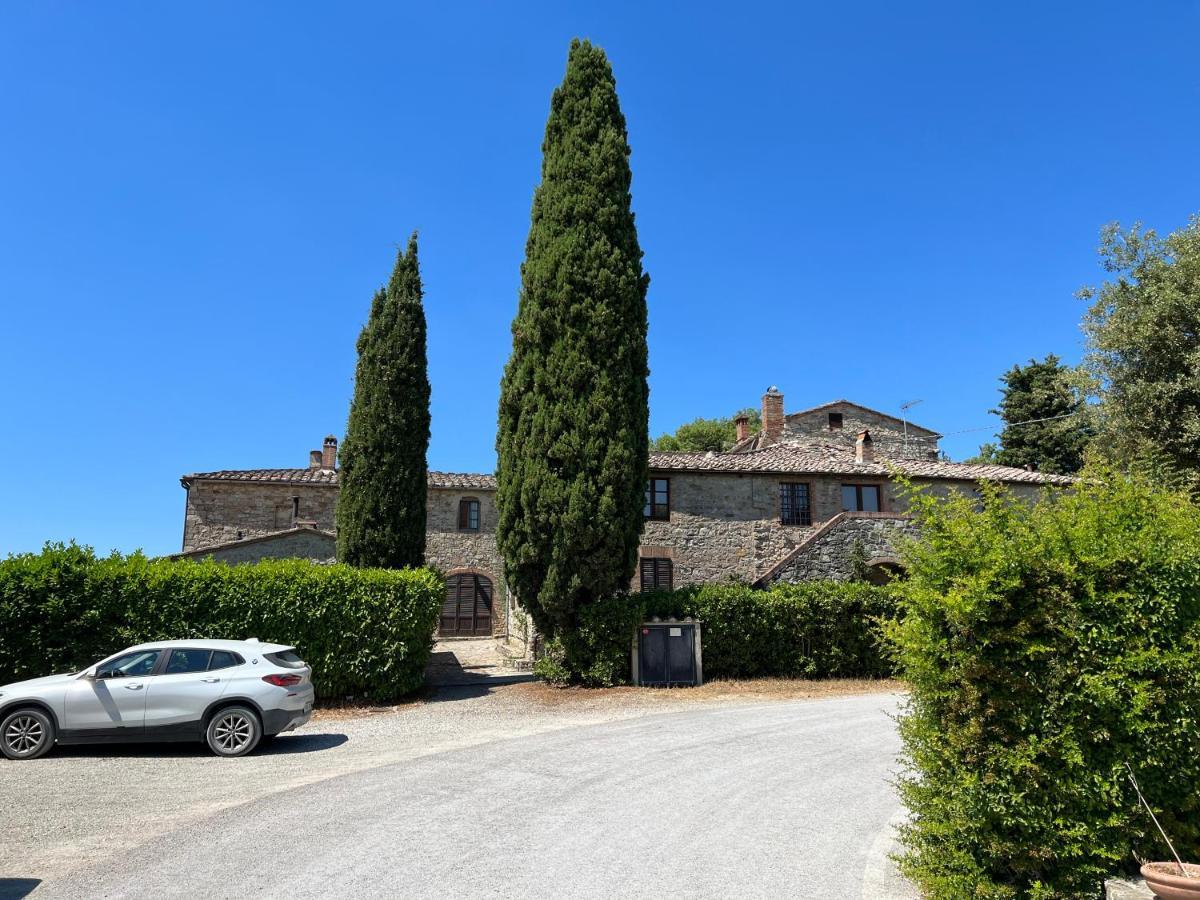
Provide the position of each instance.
(882, 573)
(467, 610)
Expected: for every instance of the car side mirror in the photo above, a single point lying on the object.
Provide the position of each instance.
(90, 674)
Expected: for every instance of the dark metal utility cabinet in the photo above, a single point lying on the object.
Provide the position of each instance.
(668, 654)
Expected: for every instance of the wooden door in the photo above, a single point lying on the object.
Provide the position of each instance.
(467, 610)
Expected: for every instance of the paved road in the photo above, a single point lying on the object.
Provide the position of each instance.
(780, 800)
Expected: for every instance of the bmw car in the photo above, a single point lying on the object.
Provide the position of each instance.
(230, 694)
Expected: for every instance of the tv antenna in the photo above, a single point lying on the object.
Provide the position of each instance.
(904, 408)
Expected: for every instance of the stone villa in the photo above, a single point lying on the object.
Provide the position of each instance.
(808, 496)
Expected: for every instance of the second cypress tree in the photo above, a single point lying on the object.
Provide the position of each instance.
(572, 439)
(381, 504)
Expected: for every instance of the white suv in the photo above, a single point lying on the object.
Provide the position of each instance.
(231, 694)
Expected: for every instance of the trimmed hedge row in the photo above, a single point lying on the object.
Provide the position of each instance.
(1045, 647)
(812, 630)
(366, 633)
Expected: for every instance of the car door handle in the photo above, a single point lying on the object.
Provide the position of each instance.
(133, 687)
(210, 680)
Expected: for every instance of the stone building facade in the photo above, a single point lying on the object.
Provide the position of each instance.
(804, 498)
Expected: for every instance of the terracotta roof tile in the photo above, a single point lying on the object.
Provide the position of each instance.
(828, 459)
(462, 480)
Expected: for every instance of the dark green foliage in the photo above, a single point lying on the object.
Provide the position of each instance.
(1143, 331)
(1039, 390)
(701, 435)
(1045, 646)
(811, 630)
(572, 439)
(367, 633)
(381, 505)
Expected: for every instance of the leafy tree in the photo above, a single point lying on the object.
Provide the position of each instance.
(1143, 332)
(1039, 394)
(1045, 645)
(381, 505)
(572, 439)
(988, 455)
(706, 434)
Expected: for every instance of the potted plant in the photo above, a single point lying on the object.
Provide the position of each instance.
(1169, 880)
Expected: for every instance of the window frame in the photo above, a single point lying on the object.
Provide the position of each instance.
(181, 650)
(803, 517)
(837, 417)
(656, 563)
(237, 660)
(652, 510)
(466, 507)
(858, 496)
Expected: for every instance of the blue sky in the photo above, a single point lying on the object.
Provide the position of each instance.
(883, 202)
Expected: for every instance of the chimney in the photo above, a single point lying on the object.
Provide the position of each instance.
(772, 415)
(329, 455)
(314, 459)
(743, 427)
(864, 448)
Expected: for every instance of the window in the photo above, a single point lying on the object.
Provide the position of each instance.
(835, 421)
(658, 499)
(131, 665)
(656, 573)
(860, 497)
(184, 661)
(468, 515)
(295, 508)
(223, 660)
(794, 506)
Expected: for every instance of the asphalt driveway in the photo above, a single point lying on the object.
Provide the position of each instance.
(782, 799)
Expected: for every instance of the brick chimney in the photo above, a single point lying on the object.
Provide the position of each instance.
(329, 454)
(742, 423)
(864, 448)
(314, 459)
(772, 414)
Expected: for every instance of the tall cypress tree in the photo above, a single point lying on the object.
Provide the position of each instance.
(381, 505)
(1040, 394)
(572, 438)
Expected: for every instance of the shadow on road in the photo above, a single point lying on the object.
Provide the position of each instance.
(279, 746)
(15, 888)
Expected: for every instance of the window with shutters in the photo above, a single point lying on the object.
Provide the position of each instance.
(794, 504)
(658, 499)
(468, 515)
(656, 573)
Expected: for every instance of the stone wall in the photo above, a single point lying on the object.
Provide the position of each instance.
(830, 552)
(886, 431)
(304, 543)
(218, 512)
(453, 550)
(727, 526)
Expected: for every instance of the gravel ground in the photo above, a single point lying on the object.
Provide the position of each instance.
(82, 805)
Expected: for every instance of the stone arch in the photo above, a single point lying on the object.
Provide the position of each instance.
(884, 569)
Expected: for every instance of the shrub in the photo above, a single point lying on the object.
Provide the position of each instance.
(812, 630)
(1044, 646)
(365, 632)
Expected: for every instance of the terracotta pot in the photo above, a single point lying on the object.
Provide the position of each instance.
(1164, 879)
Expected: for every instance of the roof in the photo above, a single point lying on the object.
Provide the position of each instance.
(806, 459)
(459, 480)
(201, 552)
(912, 426)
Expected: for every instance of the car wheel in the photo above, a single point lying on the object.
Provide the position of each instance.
(26, 734)
(234, 731)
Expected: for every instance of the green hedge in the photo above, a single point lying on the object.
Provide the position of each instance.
(812, 630)
(366, 633)
(1045, 646)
